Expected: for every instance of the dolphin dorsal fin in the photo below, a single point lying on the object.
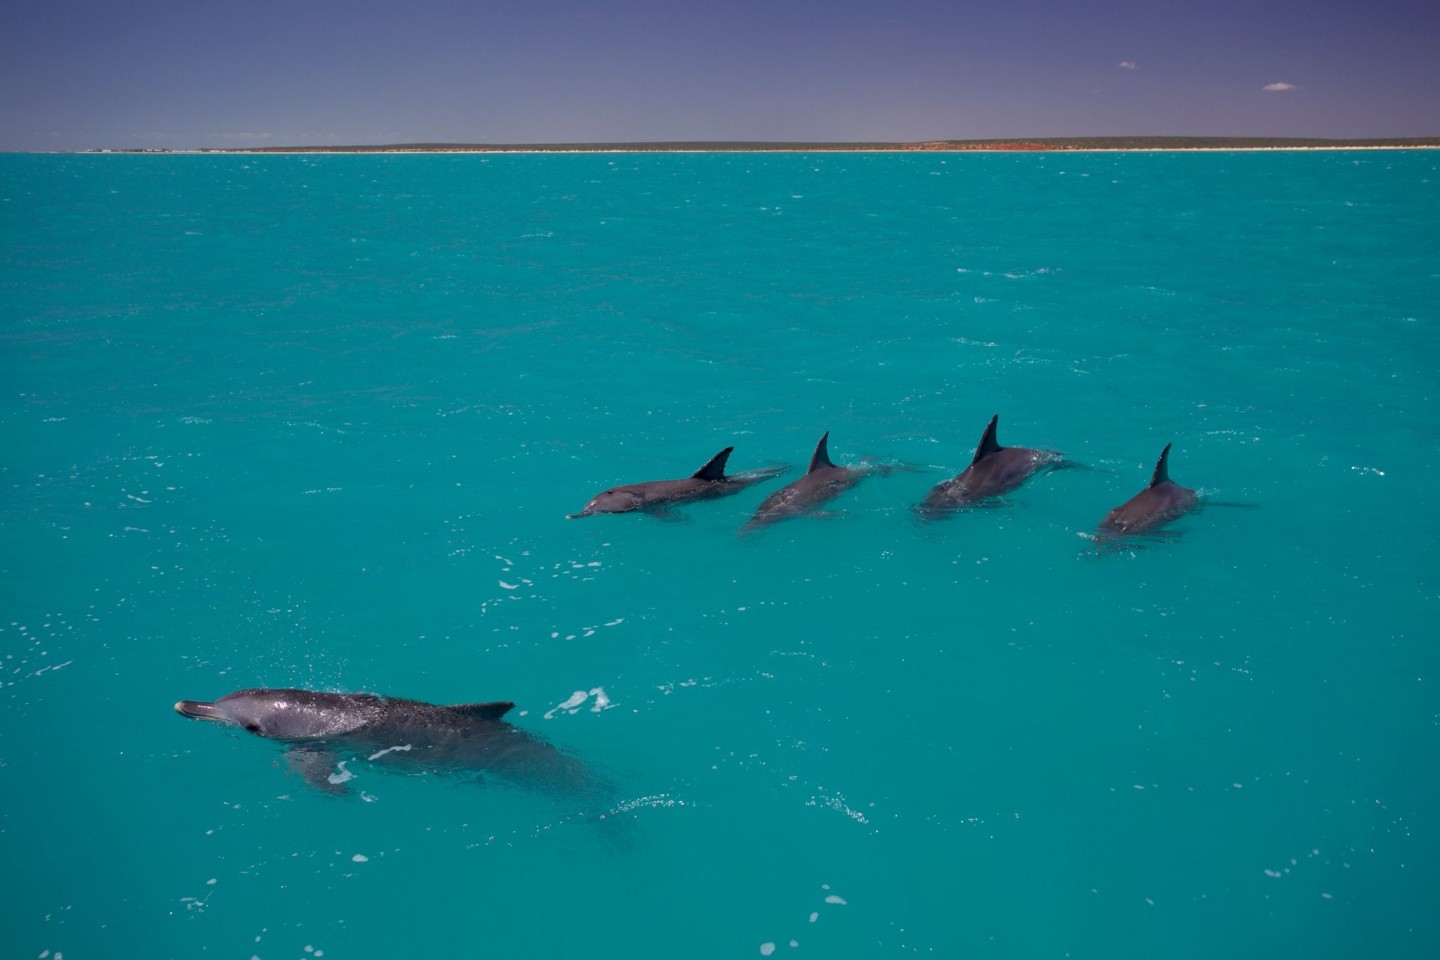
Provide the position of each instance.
(988, 443)
(821, 456)
(1162, 468)
(484, 711)
(715, 469)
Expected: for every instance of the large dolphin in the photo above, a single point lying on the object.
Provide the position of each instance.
(1159, 503)
(994, 471)
(326, 731)
(656, 496)
(822, 481)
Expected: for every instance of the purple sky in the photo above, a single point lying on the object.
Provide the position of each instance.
(79, 74)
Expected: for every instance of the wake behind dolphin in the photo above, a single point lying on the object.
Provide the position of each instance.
(326, 730)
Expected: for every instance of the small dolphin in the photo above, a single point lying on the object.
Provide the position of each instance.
(995, 470)
(327, 730)
(822, 481)
(656, 496)
(1159, 503)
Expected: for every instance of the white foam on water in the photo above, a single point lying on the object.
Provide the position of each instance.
(573, 704)
(839, 804)
(657, 801)
(766, 949)
(380, 753)
(360, 858)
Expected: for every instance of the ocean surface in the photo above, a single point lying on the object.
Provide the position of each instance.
(317, 421)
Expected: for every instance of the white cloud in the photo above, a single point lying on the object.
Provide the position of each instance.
(1280, 87)
(1129, 65)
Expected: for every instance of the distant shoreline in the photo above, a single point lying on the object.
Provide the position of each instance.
(1046, 144)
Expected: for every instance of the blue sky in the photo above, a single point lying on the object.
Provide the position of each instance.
(80, 74)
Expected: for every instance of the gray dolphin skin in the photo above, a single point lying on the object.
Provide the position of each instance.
(656, 496)
(1159, 503)
(325, 731)
(823, 481)
(994, 471)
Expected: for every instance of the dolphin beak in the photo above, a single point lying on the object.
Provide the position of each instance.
(197, 710)
(575, 516)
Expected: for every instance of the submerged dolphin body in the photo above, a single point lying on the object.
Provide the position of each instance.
(326, 730)
(655, 496)
(822, 481)
(1159, 503)
(994, 471)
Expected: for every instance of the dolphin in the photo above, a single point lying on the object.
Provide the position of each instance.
(656, 496)
(325, 731)
(1159, 503)
(994, 471)
(822, 481)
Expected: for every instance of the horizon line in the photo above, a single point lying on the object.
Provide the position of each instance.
(1016, 144)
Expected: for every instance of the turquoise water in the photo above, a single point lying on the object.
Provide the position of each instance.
(316, 421)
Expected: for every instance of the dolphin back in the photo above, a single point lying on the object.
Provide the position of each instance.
(483, 711)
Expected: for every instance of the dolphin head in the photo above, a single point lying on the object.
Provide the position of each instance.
(616, 500)
(285, 714)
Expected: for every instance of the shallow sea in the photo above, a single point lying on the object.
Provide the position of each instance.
(317, 421)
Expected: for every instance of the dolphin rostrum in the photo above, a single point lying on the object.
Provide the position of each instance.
(1159, 503)
(656, 496)
(326, 731)
(994, 471)
(823, 481)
